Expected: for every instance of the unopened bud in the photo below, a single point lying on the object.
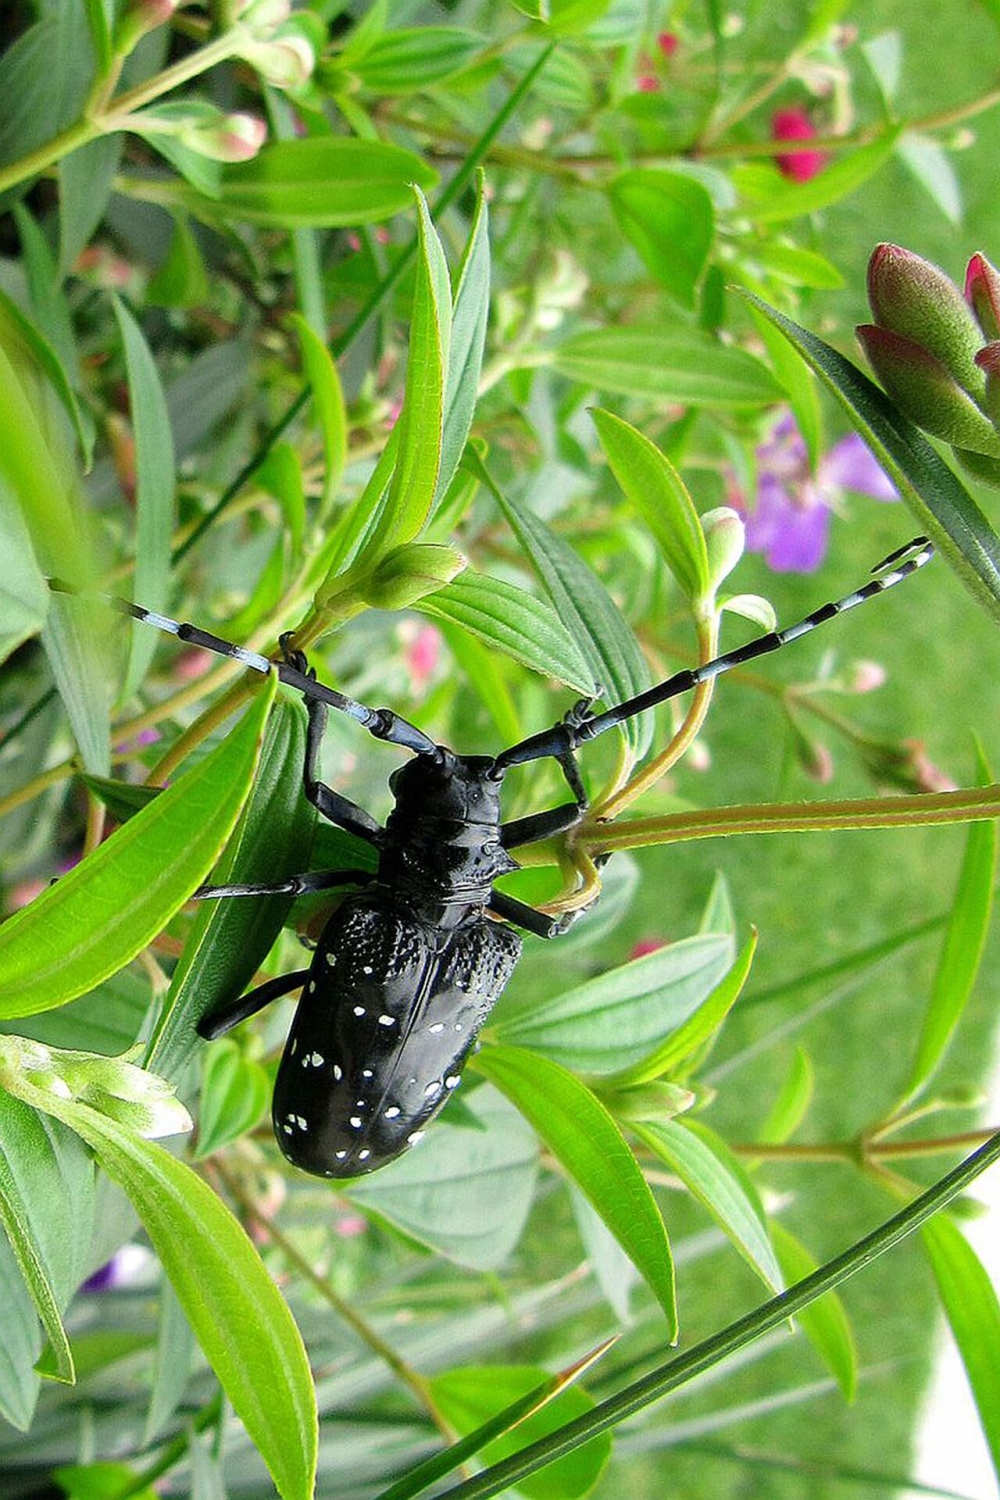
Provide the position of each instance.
(229, 138)
(137, 19)
(925, 390)
(982, 292)
(725, 539)
(864, 677)
(915, 299)
(285, 60)
(409, 573)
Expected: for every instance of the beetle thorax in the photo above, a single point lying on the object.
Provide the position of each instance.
(442, 847)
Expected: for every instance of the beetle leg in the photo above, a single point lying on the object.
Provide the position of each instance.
(215, 1023)
(295, 885)
(334, 807)
(540, 825)
(542, 923)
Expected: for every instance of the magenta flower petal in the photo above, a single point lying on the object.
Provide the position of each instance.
(791, 533)
(850, 465)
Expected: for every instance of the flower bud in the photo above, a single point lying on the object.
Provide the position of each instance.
(137, 19)
(410, 572)
(725, 539)
(284, 60)
(916, 300)
(925, 391)
(229, 138)
(982, 292)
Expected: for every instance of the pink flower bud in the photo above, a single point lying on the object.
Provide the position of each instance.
(795, 125)
(982, 292)
(668, 43)
(911, 297)
(228, 138)
(924, 390)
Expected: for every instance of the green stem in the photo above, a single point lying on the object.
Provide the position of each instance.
(115, 115)
(969, 804)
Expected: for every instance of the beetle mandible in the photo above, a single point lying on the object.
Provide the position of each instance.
(408, 968)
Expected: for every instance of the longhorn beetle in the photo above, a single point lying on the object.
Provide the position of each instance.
(408, 968)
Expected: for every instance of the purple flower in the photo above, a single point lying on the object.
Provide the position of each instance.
(790, 519)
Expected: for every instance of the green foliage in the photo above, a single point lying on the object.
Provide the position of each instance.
(447, 350)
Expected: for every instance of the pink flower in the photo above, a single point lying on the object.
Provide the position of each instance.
(795, 125)
(790, 518)
(668, 42)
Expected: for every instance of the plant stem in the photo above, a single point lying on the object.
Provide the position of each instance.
(968, 804)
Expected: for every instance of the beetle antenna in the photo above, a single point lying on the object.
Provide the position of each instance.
(383, 723)
(580, 725)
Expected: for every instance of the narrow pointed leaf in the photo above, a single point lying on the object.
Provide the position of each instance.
(705, 1164)
(238, 1315)
(509, 619)
(99, 916)
(660, 498)
(824, 1322)
(962, 950)
(154, 488)
(468, 339)
(973, 1312)
(607, 1024)
(584, 1138)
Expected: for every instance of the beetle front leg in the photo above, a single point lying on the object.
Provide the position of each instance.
(330, 804)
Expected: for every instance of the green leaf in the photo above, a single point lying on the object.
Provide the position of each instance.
(228, 940)
(181, 278)
(410, 59)
(154, 488)
(235, 1093)
(931, 165)
(238, 1315)
(798, 267)
(328, 403)
(24, 598)
(513, 621)
(973, 1313)
(943, 507)
(464, 1191)
(767, 197)
(681, 365)
(660, 498)
(85, 181)
(669, 218)
(962, 949)
(584, 1138)
(470, 315)
(824, 1322)
(700, 1027)
(586, 609)
(791, 1102)
(100, 915)
(328, 182)
(706, 1166)
(471, 1396)
(34, 1202)
(421, 421)
(608, 1024)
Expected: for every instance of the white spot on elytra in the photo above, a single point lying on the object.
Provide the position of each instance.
(338, 1072)
(452, 1081)
(367, 1073)
(414, 1136)
(340, 1155)
(387, 1020)
(301, 1123)
(355, 1122)
(360, 1103)
(364, 1155)
(392, 1112)
(331, 959)
(313, 1060)
(436, 1029)
(366, 969)
(432, 1087)
(359, 1010)
(294, 1047)
(311, 987)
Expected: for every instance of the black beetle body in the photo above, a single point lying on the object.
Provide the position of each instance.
(402, 980)
(407, 970)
